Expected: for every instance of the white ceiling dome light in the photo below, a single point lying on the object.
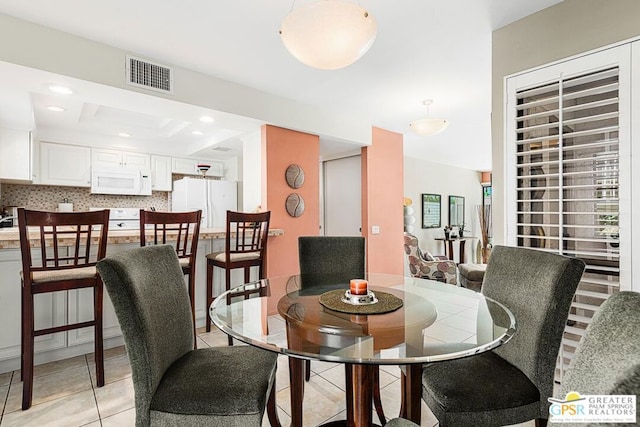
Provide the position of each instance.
(328, 34)
(428, 126)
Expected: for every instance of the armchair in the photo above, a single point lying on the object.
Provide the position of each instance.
(440, 268)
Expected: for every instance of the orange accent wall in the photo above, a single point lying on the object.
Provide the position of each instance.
(281, 148)
(382, 199)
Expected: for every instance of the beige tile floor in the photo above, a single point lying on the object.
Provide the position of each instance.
(65, 393)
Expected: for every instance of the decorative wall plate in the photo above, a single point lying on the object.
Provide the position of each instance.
(295, 205)
(294, 175)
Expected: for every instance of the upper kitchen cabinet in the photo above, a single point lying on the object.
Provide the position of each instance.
(160, 173)
(16, 155)
(190, 167)
(68, 165)
(105, 158)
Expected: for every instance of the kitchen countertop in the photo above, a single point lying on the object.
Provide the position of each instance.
(10, 238)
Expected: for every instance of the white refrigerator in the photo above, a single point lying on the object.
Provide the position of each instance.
(212, 196)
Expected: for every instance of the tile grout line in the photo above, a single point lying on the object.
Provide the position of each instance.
(6, 398)
(93, 387)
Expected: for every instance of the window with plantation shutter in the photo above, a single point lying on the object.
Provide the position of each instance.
(565, 161)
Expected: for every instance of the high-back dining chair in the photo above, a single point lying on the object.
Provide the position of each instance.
(66, 247)
(510, 384)
(330, 261)
(607, 360)
(326, 261)
(174, 384)
(245, 247)
(180, 229)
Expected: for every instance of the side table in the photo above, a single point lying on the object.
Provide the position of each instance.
(448, 246)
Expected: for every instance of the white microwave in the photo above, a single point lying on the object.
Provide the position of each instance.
(134, 182)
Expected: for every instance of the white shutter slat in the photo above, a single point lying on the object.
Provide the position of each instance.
(591, 294)
(581, 319)
(590, 132)
(598, 90)
(600, 282)
(590, 105)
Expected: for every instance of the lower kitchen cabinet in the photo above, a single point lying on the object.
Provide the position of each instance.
(81, 308)
(50, 310)
(77, 305)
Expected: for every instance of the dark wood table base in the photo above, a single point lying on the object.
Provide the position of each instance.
(296, 383)
(411, 394)
(359, 393)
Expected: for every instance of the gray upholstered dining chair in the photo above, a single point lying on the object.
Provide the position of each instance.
(173, 383)
(510, 384)
(326, 261)
(607, 360)
(330, 261)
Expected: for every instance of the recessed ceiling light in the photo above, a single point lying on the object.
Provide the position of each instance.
(62, 90)
(124, 135)
(197, 133)
(55, 108)
(206, 119)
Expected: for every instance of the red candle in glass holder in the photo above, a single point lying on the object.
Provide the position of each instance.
(358, 287)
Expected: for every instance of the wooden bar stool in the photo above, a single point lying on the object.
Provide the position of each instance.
(245, 247)
(70, 244)
(181, 230)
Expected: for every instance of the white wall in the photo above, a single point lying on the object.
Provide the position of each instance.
(251, 171)
(421, 176)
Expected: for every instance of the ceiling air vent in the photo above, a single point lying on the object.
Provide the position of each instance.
(221, 149)
(149, 75)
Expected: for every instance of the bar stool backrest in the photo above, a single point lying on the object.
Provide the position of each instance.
(65, 240)
(246, 233)
(179, 229)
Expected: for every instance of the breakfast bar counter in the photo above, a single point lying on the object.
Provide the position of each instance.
(10, 238)
(77, 305)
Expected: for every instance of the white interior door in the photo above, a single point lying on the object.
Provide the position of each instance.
(342, 197)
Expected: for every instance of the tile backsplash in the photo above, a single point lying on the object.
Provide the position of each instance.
(46, 198)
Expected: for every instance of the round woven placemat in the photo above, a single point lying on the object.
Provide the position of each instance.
(386, 303)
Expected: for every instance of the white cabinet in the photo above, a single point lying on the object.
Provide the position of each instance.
(67, 165)
(190, 167)
(10, 267)
(80, 302)
(16, 155)
(160, 173)
(49, 310)
(105, 158)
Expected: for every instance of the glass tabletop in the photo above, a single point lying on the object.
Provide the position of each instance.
(436, 321)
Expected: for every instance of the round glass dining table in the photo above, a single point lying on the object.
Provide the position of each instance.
(293, 315)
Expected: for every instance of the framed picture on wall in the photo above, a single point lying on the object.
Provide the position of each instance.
(456, 211)
(431, 210)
